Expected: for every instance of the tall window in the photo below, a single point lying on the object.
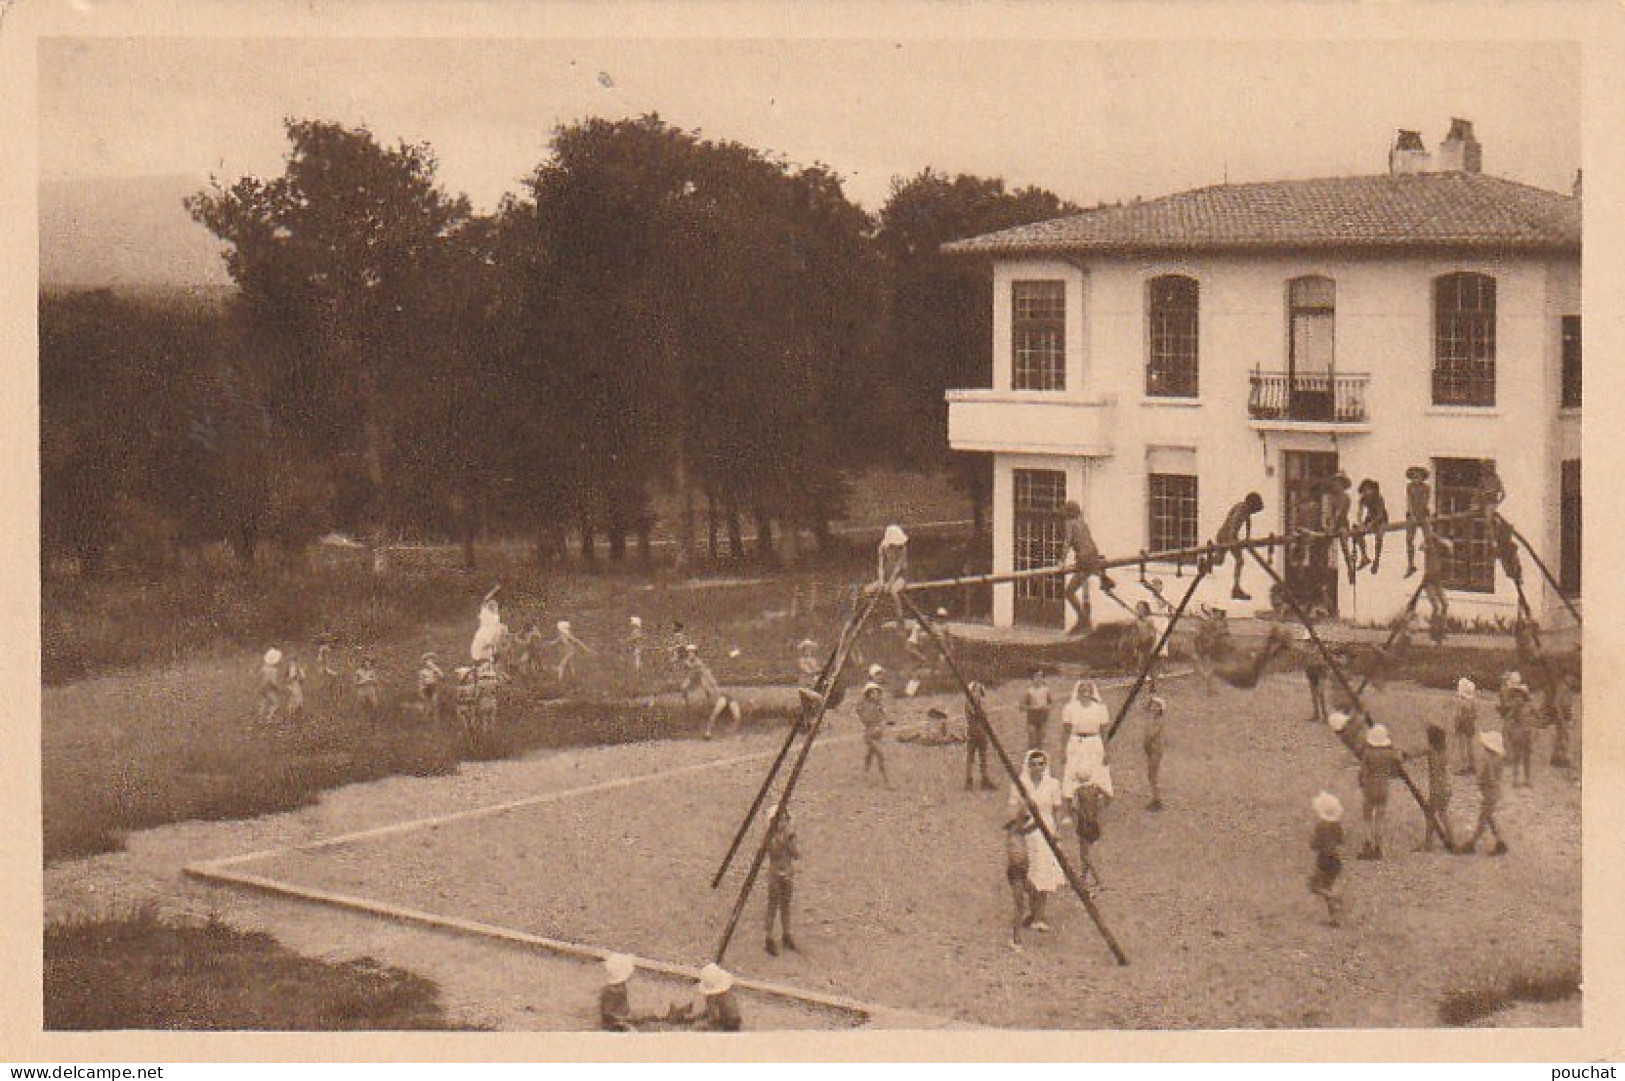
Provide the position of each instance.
(1040, 535)
(1172, 509)
(1464, 340)
(1571, 362)
(1470, 565)
(1171, 367)
(1038, 335)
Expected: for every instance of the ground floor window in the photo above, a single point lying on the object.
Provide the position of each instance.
(1470, 565)
(1171, 507)
(1040, 541)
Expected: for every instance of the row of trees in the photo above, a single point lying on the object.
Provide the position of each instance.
(654, 311)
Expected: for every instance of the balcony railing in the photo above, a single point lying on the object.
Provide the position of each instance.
(1310, 397)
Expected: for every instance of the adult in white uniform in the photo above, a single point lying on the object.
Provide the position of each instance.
(1044, 874)
(1085, 721)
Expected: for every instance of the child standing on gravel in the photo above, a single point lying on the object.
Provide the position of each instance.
(1489, 794)
(1379, 765)
(1518, 722)
(872, 715)
(976, 735)
(1465, 723)
(1015, 873)
(1035, 705)
(1156, 709)
(1437, 754)
(1327, 843)
(782, 853)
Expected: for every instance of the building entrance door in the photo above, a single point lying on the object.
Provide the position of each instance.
(1568, 572)
(1311, 568)
(1040, 540)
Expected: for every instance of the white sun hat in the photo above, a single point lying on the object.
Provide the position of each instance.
(873, 688)
(714, 980)
(942, 613)
(1328, 808)
(1466, 689)
(1492, 742)
(1337, 720)
(876, 671)
(636, 621)
(564, 625)
(1513, 681)
(895, 537)
(1378, 736)
(1157, 702)
(273, 656)
(618, 968)
(806, 645)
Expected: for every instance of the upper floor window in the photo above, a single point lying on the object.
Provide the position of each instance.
(1171, 366)
(1571, 362)
(1464, 340)
(1038, 335)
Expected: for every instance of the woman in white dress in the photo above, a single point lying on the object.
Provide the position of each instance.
(1044, 874)
(1085, 721)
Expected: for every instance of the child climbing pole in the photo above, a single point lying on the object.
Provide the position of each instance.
(1373, 512)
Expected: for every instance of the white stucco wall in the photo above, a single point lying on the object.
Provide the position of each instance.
(1384, 327)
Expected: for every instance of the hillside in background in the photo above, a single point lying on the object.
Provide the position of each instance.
(129, 234)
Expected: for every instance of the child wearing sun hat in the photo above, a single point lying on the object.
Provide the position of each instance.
(1465, 723)
(270, 693)
(872, 715)
(1518, 722)
(1489, 794)
(1326, 843)
(1379, 765)
(614, 1004)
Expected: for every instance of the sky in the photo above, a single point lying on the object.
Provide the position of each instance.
(1090, 121)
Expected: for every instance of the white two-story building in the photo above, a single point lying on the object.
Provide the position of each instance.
(1156, 362)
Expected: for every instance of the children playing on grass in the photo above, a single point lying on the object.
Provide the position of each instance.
(569, 645)
(976, 739)
(1380, 763)
(1035, 706)
(366, 687)
(1237, 526)
(782, 853)
(1327, 843)
(429, 676)
(1489, 794)
(270, 690)
(295, 688)
(634, 642)
(1437, 754)
(1156, 709)
(698, 679)
(872, 715)
(531, 644)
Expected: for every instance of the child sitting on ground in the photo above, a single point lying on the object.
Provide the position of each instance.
(1327, 843)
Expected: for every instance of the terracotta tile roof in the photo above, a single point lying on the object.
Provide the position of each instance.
(1426, 210)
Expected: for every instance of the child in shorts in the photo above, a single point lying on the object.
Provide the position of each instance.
(1465, 723)
(1156, 709)
(1326, 843)
(1035, 704)
(872, 715)
(1015, 873)
(976, 736)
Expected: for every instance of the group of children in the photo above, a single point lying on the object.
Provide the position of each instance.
(713, 1007)
(1465, 749)
(282, 681)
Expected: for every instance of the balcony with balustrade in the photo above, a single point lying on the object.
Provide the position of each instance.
(1311, 402)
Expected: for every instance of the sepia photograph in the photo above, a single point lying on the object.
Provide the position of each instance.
(713, 532)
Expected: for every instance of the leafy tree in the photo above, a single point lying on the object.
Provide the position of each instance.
(942, 324)
(334, 259)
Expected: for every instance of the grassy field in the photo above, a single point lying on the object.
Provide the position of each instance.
(901, 897)
(137, 972)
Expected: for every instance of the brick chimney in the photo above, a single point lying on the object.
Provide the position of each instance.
(1408, 155)
(1460, 152)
